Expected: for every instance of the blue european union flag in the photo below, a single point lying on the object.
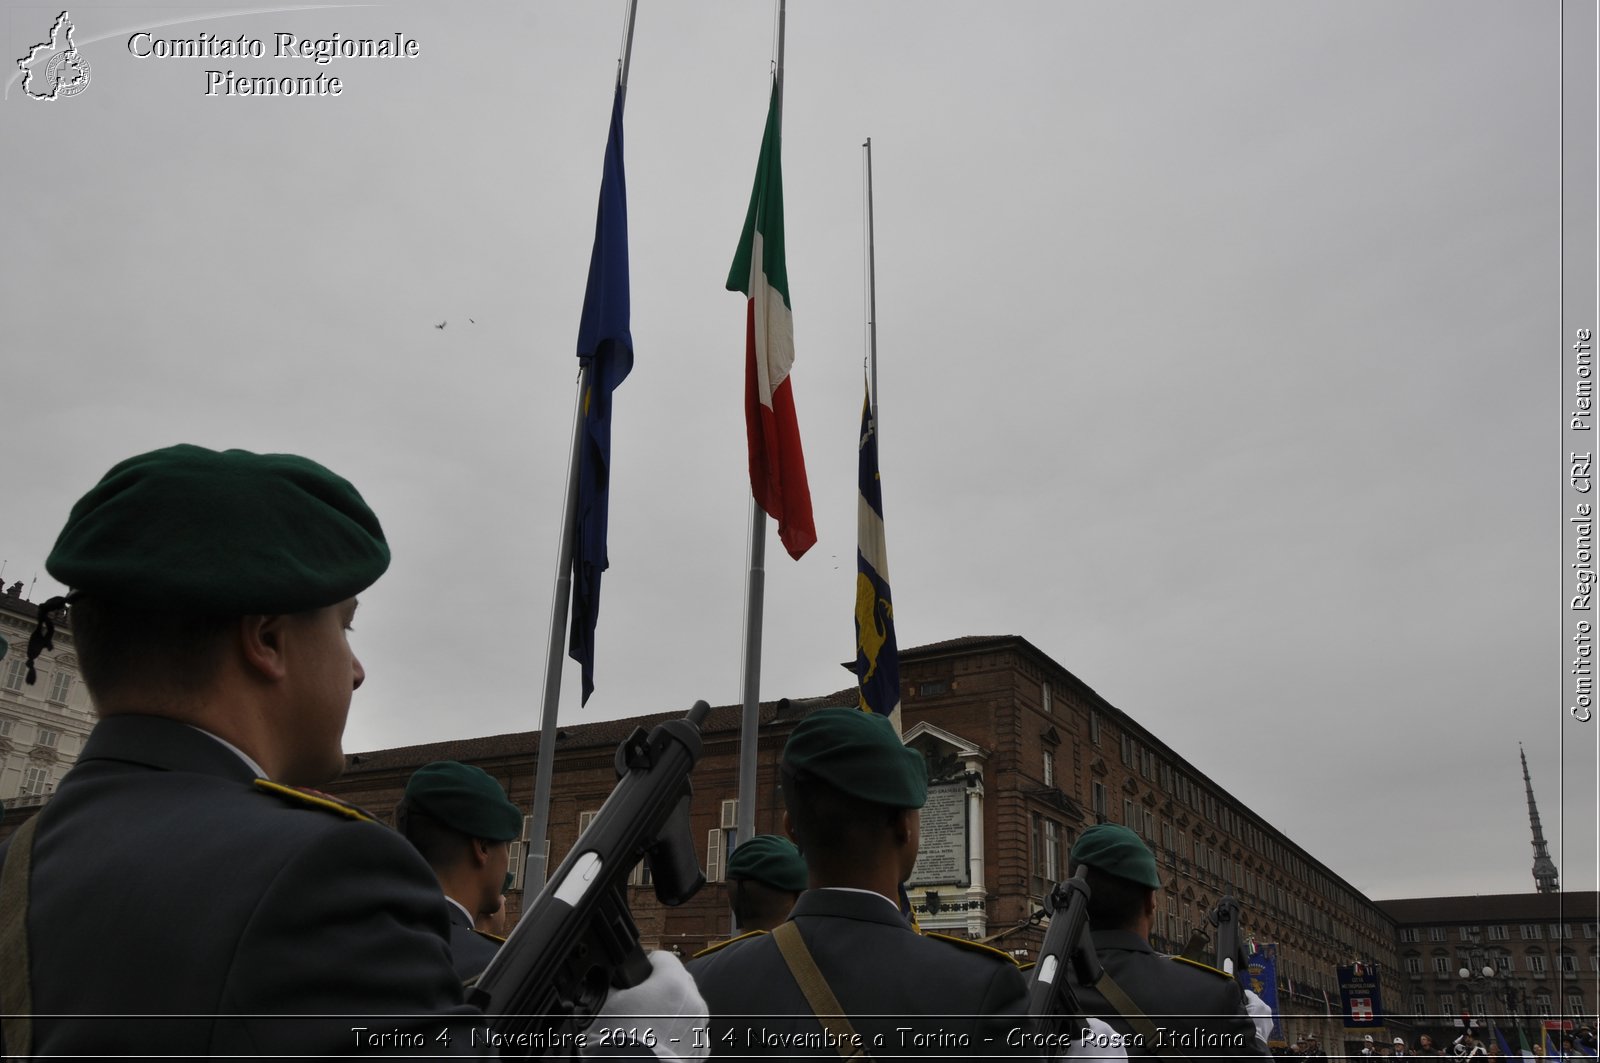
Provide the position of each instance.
(606, 346)
(877, 655)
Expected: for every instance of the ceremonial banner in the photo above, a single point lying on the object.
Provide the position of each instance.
(1262, 979)
(605, 345)
(760, 271)
(1360, 997)
(877, 655)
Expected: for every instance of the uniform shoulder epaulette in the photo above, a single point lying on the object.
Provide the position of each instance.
(975, 946)
(1206, 967)
(496, 938)
(715, 945)
(313, 799)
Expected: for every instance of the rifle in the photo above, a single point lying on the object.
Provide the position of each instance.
(577, 939)
(1231, 957)
(1053, 1009)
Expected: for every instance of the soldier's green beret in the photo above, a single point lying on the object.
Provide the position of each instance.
(770, 859)
(1116, 850)
(859, 754)
(226, 532)
(466, 799)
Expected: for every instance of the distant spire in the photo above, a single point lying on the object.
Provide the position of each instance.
(1544, 868)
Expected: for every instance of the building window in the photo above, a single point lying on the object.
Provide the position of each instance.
(1049, 768)
(1094, 727)
(1413, 964)
(33, 779)
(586, 818)
(1542, 1002)
(1531, 932)
(1149, 825)
(1044, 695)
(1419, 1004)
(1561, 930)
(1127, 750)
(1441, 965)
(1166, 838)
(1536, 962)
(16, 668)
(1098, 797)
(518, 859)
(721, 840)
(1410, 935)
(48, 738)
(1498, 933)
(1436, 933)
(6, 724)
(1130, 814)
(1569, 963)
(60, 686)
(1588, 930)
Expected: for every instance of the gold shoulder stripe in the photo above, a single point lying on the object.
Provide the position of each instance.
(975, 946)
(312, 799)
(1201, 966)
(496, 938)
(714, 946)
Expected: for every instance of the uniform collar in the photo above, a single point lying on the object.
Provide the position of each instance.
(457, 907)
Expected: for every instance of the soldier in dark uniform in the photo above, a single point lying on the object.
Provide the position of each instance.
(852, 793)
(462, 823)
(766, 875)
(1180, 1007)
(182, 886)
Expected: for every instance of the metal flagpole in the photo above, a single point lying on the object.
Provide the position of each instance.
(754, 597)
(872, 300)
(534, 864)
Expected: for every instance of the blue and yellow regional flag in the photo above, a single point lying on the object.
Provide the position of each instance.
(877, 655)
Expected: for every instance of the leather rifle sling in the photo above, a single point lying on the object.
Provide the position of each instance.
(16, 996)
(824, 1005)
(1119, 999)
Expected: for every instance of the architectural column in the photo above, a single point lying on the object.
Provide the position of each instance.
(977, 894)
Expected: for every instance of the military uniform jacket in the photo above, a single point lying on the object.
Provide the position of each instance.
(470, 950)
(952, 999)
(1197, 1010)
(166, 882)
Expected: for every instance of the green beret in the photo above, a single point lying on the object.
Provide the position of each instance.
(227, 532)
(1118, 851)
(465, 799)
(770, 859)
(859, 754)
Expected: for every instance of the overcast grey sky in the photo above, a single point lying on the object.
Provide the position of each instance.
(1219, 353)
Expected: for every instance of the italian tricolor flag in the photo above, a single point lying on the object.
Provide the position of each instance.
(777, 468)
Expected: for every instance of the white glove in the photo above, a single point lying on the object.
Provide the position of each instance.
(1260, 1013)
(666, 1010)
(1103, 1042)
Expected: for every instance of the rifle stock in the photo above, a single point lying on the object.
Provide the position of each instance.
(1230, 947)
(1066, 958)
(577, 939)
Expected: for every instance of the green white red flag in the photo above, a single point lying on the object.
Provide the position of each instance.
(777, 466)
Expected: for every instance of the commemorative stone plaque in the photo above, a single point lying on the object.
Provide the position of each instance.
(942, 858)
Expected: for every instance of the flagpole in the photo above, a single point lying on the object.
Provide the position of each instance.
(754, 600)
(535, 863)
(872, 300)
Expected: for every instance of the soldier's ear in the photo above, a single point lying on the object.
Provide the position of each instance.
(260, 642)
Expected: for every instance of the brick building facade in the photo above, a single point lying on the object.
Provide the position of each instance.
(1022, 756)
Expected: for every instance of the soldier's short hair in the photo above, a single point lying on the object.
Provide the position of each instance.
(1115, 903)
(832, 827)
(440, 845)
(121, 645)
